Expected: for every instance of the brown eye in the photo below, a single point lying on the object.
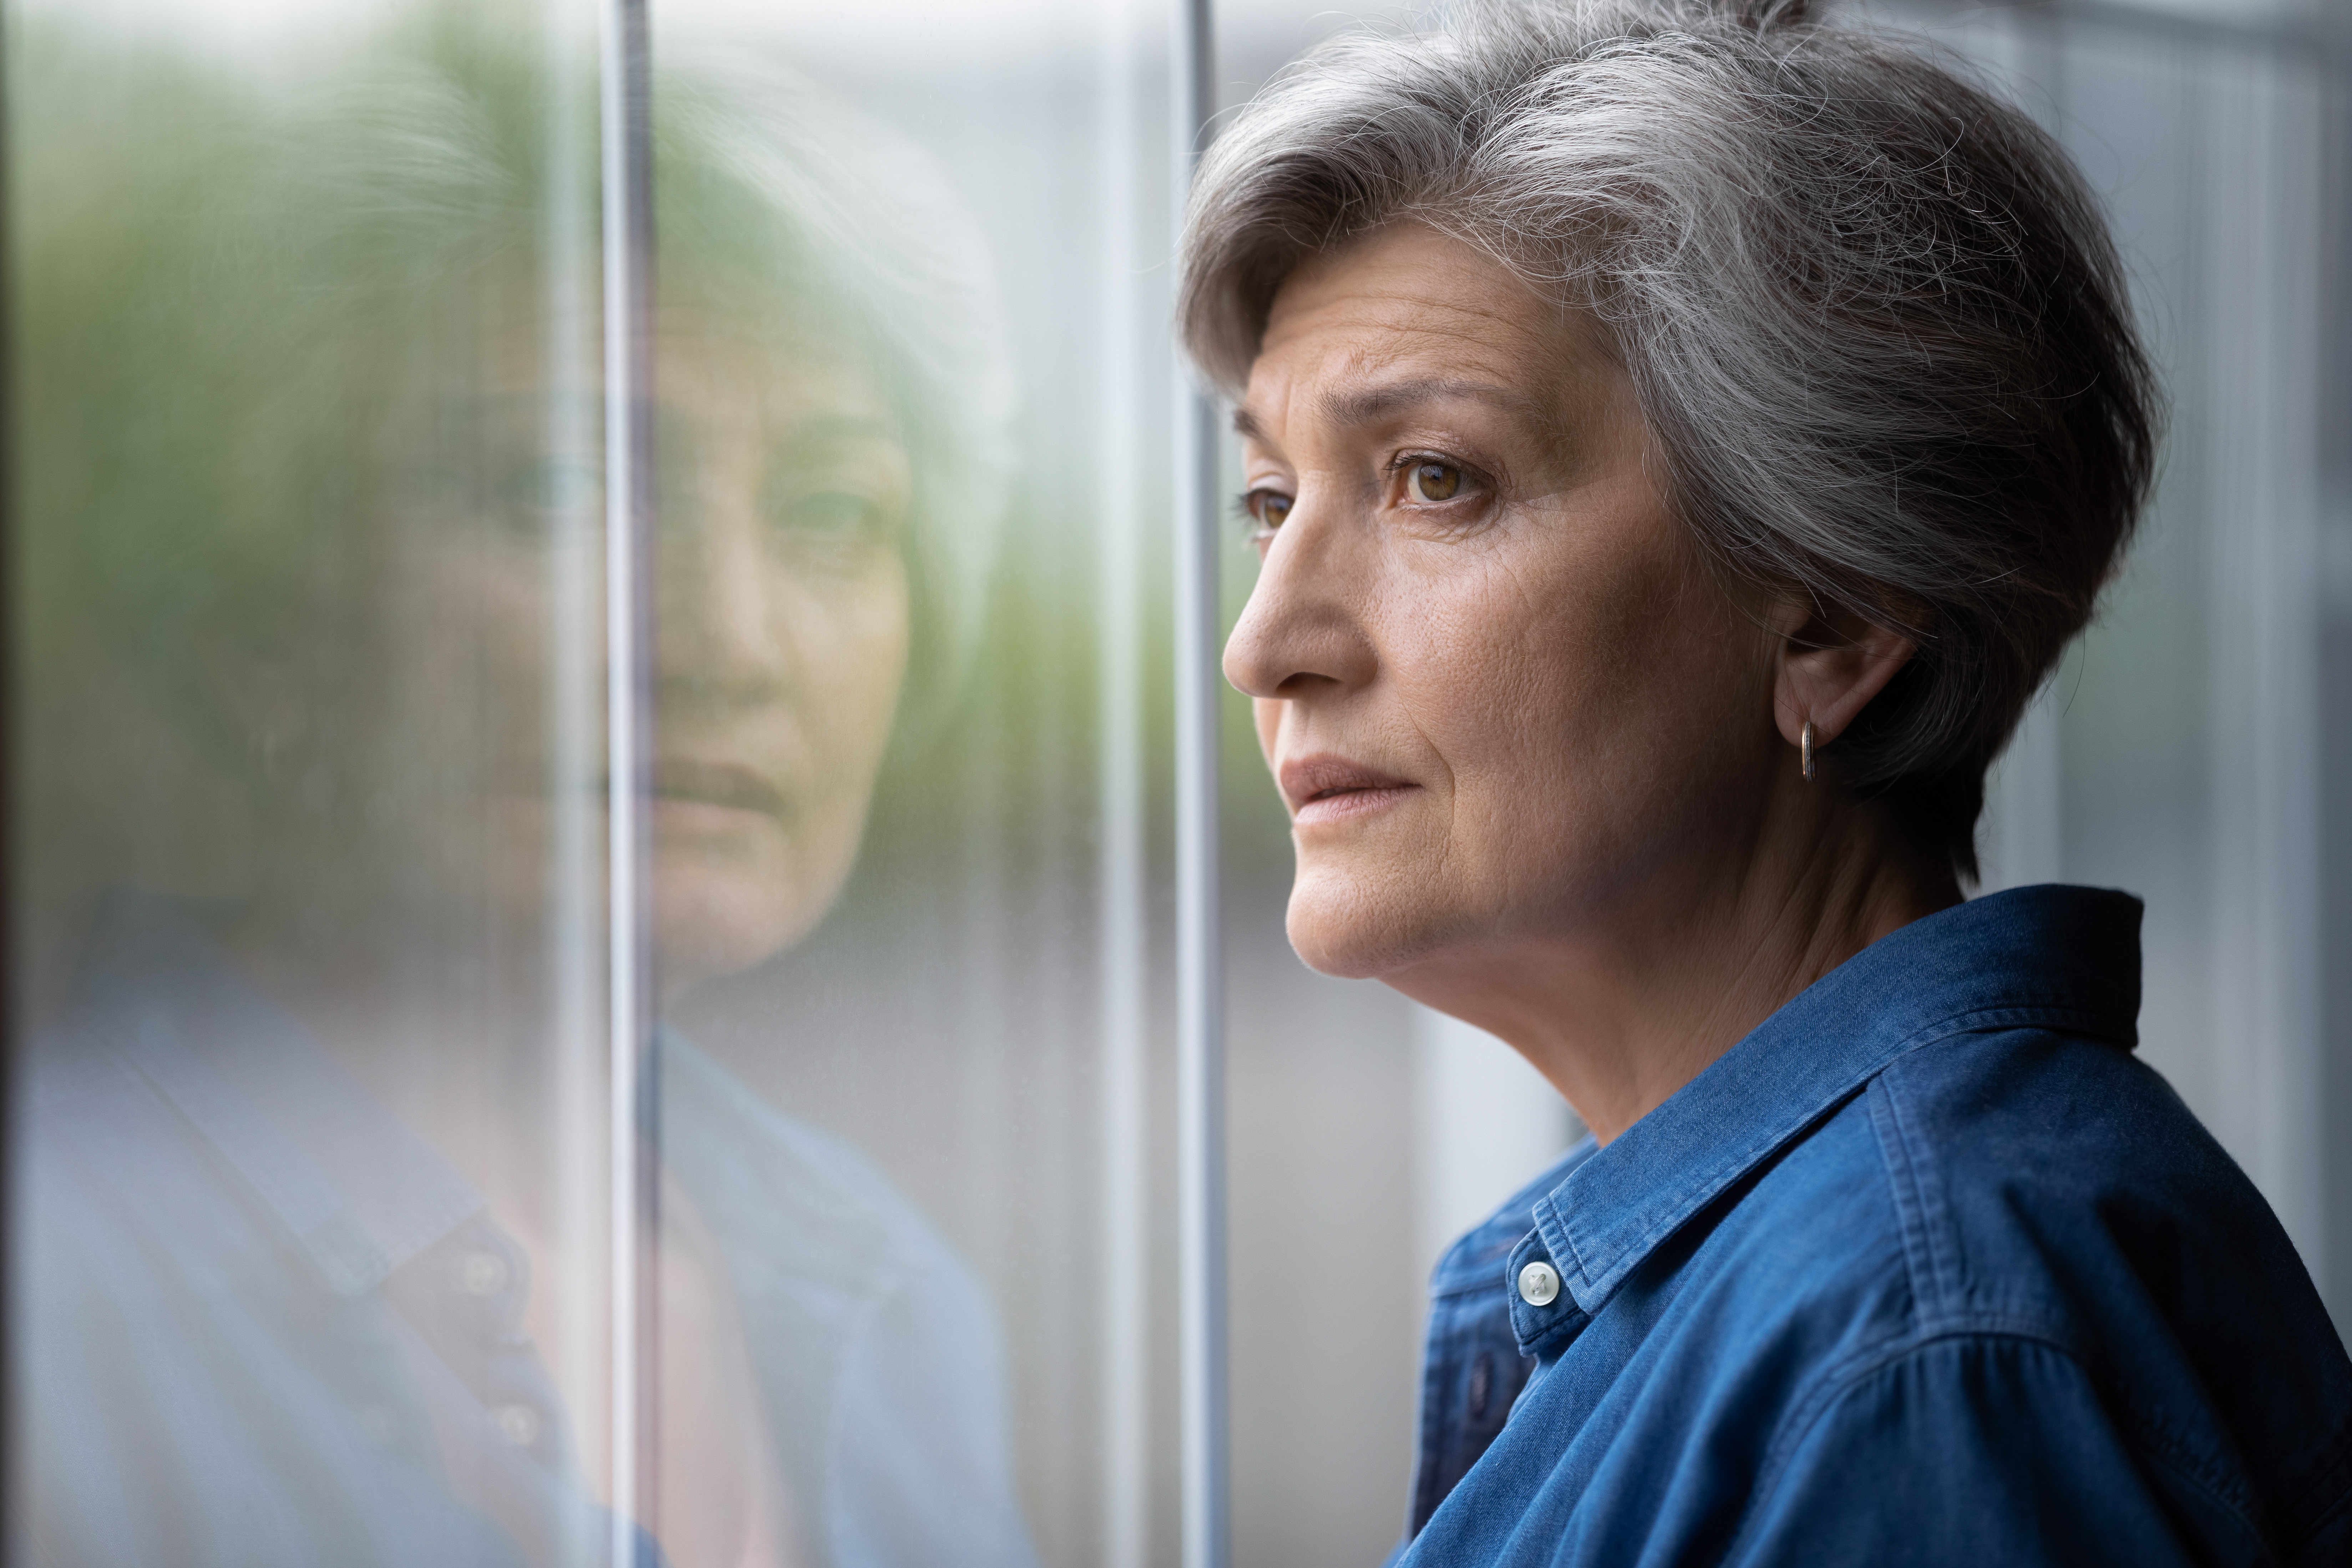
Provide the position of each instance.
(1267, 509)
(1433, 481)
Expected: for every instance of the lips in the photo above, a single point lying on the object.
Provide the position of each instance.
(1326, 788)
(728, 784)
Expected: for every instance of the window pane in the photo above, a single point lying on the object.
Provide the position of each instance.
(313, 1227)
(309, 1229)
(914, 389)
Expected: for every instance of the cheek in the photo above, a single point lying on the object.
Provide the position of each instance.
(730, 903)
(1574, 706)
(853, 634)
(1513, 674)
(460, 662)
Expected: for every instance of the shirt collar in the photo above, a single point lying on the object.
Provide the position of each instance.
(1468, 1268)
(2050, 956)
(356, 1192)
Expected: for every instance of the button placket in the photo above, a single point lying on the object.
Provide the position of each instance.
(466, 1298)
(518, 1423)
(1544, 1313)
(483, 1273)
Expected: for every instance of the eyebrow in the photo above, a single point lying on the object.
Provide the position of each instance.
(1359, 406)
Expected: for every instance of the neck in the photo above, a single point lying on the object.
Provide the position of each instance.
(1619, 1007)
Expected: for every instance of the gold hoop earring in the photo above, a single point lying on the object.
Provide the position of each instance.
(1805, 749)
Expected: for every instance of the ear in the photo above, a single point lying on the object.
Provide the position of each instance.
(1831, 664)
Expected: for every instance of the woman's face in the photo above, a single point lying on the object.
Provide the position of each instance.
(783, 630)
(1501, 695)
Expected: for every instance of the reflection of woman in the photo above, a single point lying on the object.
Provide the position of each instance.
(1681, 439)
(311, 1247)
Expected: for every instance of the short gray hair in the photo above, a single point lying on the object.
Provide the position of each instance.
(304, 261)
(1873, 315)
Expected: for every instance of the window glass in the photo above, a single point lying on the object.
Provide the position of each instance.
(341, 1229)
(310, 1242)
(953, 1030)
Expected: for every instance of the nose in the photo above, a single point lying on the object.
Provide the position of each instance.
(719, 642)
(1307, 625)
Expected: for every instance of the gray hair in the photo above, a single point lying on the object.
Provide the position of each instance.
(1872, 314)
(220, 317)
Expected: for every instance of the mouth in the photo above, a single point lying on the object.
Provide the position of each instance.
(1326, 788)
(727, 785)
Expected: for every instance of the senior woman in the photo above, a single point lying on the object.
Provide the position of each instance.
(1680, 440)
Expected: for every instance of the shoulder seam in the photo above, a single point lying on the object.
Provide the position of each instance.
(1843, 1379)
(1930, 1291)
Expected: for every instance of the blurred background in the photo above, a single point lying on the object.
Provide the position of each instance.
(972, 1011)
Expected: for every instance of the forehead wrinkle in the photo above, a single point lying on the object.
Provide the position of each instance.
(1354, 407)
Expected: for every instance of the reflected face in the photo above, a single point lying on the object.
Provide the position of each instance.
(783, 631)
(782, 620)
(1497, 689)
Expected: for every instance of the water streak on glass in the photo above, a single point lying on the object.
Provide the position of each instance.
(624, 79)
(1125, 1407)
(1200, 1006)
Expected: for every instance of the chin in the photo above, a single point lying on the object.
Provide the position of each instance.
(708, 927)
(732, 890)
(1354, 929)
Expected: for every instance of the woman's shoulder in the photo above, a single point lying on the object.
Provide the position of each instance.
(2055, 1189)
(2014, 1151)
(2009, 1234)
(2036, 1170)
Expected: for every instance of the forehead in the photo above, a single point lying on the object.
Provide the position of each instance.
(1407, 303)
(764, 379)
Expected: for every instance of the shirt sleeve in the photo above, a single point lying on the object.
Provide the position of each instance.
(1977, 1450)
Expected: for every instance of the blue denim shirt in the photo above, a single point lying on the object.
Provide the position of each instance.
(259, 1324)
(1927, 1269)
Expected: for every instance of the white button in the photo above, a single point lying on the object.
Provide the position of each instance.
(1538, 1284)
(482, 1274)
(519, 1423)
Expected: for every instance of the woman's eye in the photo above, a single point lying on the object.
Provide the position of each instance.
(1429, 480)
(1266, 509)
(836, 507)
(530, 502)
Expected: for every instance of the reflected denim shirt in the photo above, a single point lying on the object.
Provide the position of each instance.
(1927, 1269)
(258, 1322)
